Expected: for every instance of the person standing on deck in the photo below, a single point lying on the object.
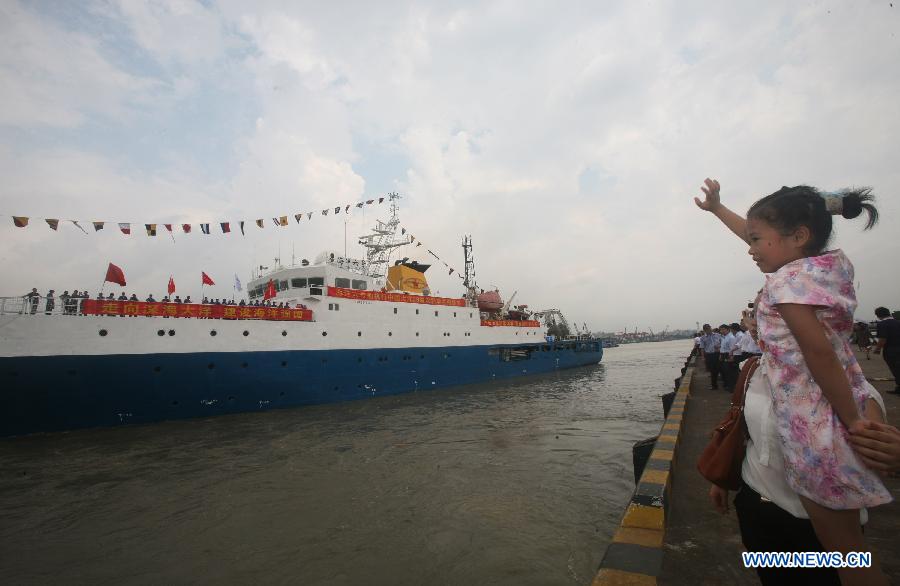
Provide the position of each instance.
(888, 334)
(709, 345)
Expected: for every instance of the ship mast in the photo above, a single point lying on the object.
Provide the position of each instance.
(469, 281)
(381, 242)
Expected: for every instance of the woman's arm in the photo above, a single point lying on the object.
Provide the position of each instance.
(821, 360)
(713, 204)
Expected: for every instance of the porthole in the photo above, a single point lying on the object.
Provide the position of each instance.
(231, 397)
(390, 333)
(171, 332)
(417, 334)
(281, 394)
(422, 356)
(284, 332)
(454, 314)
(417, 312)
(395, 311)
(210, 366)
(283, 363)
(358, 334)
(243, 365)
(335, 388)
(435, 314)
(324, 334)
(161, 332)
(70, 372)
(156, 369)
(359, 359)
(212, 332)
(246, 333)
(174, 403)
(102, 333)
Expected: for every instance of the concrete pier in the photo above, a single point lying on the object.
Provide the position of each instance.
(704, 547)
(671, 534)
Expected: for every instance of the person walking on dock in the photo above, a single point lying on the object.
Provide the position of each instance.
(709, 346)
(888, 334)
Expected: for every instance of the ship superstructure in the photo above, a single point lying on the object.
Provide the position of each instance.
(336, 328)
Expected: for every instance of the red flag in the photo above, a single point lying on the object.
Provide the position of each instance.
(115, 275)
(205, 280)
(270, 290)
(171, 285)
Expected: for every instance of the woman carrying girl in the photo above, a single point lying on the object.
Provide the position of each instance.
(818, 390)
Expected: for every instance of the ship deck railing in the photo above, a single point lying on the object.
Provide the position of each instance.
(25, 306)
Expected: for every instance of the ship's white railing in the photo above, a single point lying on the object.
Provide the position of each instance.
(38, 306)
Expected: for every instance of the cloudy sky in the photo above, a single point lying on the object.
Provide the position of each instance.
(567, 138)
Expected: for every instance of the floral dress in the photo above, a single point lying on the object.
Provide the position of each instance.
(819, 462)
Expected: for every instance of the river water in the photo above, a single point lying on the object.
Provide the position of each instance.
(517, 482)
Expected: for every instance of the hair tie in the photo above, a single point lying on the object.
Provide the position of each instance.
(834, 203)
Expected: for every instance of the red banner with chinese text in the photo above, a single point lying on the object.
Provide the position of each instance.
(394, 297)
(531, 323)
(196, 310)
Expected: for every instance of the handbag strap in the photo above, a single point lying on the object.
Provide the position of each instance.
(740, 389)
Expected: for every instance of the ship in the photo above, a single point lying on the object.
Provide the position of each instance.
(328, 330)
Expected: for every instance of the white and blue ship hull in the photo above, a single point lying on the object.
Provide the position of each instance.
(66, 372)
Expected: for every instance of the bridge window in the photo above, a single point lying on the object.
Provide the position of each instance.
(342, 282)
(317, 281)
(360, 285)
(298, 283)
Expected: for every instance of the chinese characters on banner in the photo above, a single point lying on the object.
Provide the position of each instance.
(196, 310)
(394, 297)
(531, 323)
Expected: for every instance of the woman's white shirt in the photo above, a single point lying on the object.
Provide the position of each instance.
(763, 466)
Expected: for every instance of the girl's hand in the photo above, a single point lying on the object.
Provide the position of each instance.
(712, 200)
(719, 498)
(878, 444)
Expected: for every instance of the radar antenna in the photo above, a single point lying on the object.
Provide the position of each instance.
(381, 242)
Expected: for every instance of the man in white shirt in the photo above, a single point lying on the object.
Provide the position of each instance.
(727, 363)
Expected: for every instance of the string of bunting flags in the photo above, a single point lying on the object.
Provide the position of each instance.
(418, 243)
(205, 228)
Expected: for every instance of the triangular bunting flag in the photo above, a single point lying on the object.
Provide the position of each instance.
(337, 210)
(324, 212)
(77, 225)
(125, 227)
(53, 223)
(283, 221)
(20, 221)
(402, 230)
(204, 228)
(186, 228)
(98, 226)
(359, 205)
(369, 202)
(226, 227)
(259, 223)
(418, 244)
(451, 272)
(412, 238)
(151, 229)
(347, 208)
(309, 215)
(242, 227)
(168, 227)
(380, 199)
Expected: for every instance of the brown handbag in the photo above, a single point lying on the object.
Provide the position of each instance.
(720, 462)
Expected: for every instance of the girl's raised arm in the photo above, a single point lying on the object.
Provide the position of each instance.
(713, 204)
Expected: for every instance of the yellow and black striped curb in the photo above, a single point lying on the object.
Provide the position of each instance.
(636, 553)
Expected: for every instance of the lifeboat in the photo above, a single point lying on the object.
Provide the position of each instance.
(490, 301)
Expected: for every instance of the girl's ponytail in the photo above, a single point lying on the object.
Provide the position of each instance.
(855, 201)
